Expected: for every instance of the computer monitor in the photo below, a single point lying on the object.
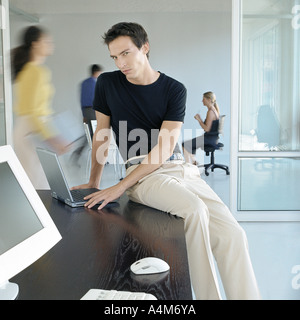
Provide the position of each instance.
(26, 229)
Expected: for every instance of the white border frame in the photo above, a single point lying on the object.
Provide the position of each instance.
(236, 62)
(28, 251)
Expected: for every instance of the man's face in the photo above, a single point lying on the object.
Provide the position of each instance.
(128, 58)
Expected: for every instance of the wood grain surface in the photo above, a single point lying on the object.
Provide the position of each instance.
(98, 248)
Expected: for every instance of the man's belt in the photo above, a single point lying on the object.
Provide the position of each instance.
(138, 160)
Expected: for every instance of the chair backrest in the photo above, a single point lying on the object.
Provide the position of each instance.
(88, 134)
(268, 126)
(212, 143)
(94, 125)
(221, 124)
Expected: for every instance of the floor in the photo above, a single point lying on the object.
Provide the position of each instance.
(274, 247)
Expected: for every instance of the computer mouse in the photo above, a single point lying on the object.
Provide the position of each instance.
(149, 265)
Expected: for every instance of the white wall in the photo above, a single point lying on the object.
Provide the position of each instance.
(194, 48)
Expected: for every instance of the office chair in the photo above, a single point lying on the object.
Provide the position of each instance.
(210, 149)
(268, 127)
(90, 144)
(113, 148)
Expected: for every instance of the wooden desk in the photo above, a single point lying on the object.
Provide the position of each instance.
(98, 248)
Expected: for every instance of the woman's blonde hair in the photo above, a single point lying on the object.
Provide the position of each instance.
(211, 96)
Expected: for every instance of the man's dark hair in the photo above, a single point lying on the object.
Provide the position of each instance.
(96, 68)
(135, 31)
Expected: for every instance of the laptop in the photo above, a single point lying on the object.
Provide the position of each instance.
(58, 183)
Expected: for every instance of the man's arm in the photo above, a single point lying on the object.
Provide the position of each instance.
(101, 141)
(168, 137)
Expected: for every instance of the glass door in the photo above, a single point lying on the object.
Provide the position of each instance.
(5, 77)
(2, 113)
(266, 156)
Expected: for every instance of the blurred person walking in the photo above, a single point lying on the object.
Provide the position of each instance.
(34, 123)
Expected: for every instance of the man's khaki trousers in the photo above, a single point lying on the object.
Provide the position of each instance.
(210, 230)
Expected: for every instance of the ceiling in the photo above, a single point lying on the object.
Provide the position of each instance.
(42, 7)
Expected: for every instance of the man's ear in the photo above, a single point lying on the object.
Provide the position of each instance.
(146, 48)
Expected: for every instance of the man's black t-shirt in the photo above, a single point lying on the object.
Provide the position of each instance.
(137, 112)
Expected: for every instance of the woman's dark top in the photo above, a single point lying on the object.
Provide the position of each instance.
(211, 138)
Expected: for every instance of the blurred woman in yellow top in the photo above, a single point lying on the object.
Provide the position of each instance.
(33, 94)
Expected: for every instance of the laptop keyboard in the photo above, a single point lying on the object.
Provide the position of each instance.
(78, 195)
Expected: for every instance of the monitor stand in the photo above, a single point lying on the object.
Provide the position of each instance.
(8, 291)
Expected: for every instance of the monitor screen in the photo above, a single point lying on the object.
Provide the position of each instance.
(27, 230)
(18, 220)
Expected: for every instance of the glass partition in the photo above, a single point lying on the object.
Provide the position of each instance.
(2, 113)
(269, 184)
(266, 110)
(269, 109)
(6, 117)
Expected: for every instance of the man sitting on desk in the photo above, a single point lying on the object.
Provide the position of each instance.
(139, 102)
